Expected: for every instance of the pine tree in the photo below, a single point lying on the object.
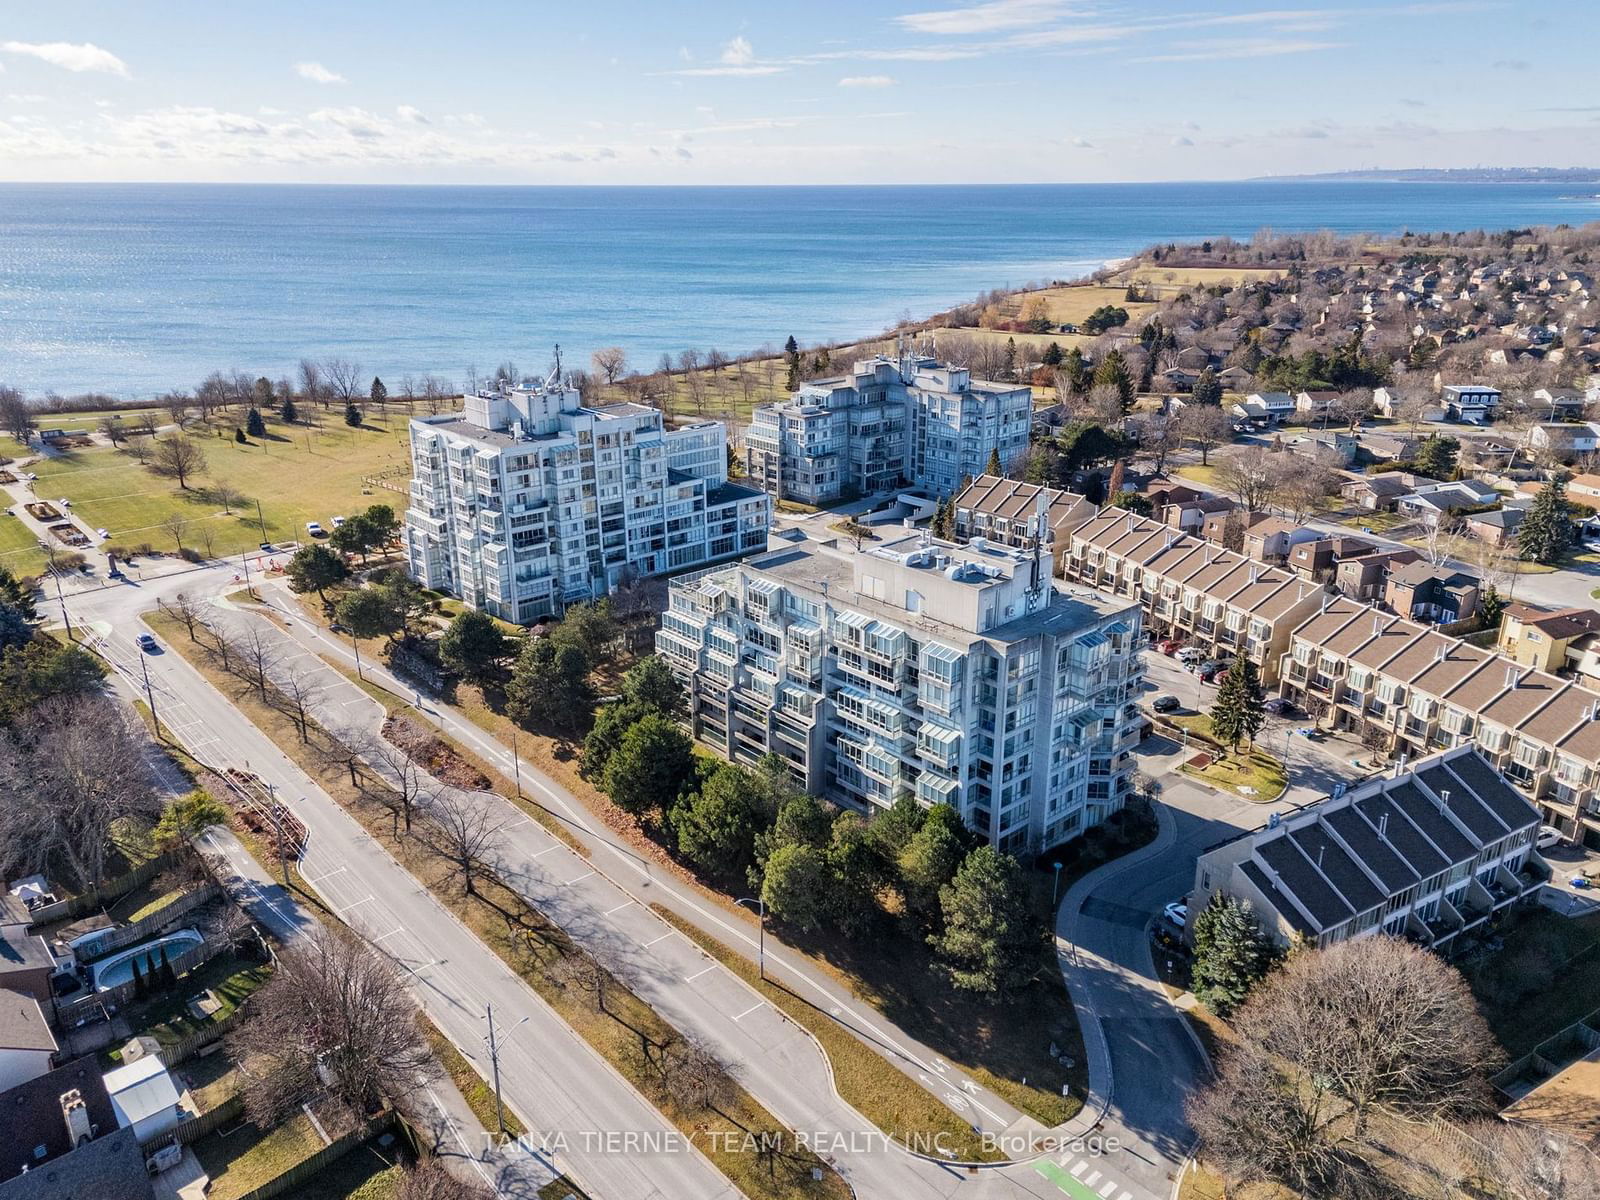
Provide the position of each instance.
(238, 436)
(993, 467)
(352, 416)
(164, 972)
(1240, 708)
(253, 424)
(1207, 388)
(1008, 360)
(1077, 371)
(1436, 457)
(379, 394)
(991, 938)
(289, 412)
(1113, 372)
(141, 989)
(791, 355)
(1231, 954)
(1490, 605)
(1546, 532)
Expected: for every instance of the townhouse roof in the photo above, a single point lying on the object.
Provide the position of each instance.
(1414, 574)
(1559, 624)
(1014, 500)
(1273, 526)
(1388, 483)
(33, 1117)
(22, 1023)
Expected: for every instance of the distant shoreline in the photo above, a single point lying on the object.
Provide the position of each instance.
(1545, 175)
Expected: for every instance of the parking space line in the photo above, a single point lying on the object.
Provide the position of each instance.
(579, 879)
(749, 1010)
(619, 907)
(551, 850)
(662, 938)
(702, 971)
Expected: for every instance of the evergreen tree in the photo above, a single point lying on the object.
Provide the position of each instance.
(550, 686)
(238, 436)
(716, 826)
(1436, 457)
(1077, 371)
(369, 612)
(991, 938)
(289, 413)
(651, 684)
(1231, 954)
(1008, 360)
(791, 356)
(650, 767)
(942, 518)
(993, 467)
(1490, 606)
(1052, 356)
(316, 568)
(1239, 710)
(612, 721)
(1207, 388)
(167, 977)
(930, 860)
(1546, 531)
(141, 988)
(894, 827)
(17, 594)
(1113, 372)
(474, 647)
(857, 871)
(253, 424)
(378, 394)
(352, 416)
(797, 887)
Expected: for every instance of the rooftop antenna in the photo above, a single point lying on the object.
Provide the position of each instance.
(1039, 509)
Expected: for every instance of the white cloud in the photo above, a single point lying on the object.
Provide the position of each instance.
(1182, 141)
(867, 81)
(738, 52)
(1213, 50)
(985, 18)
(70, 56)
(1079, 143)
(357, 122)
(762, 69)
(318, 73)
(415, 115)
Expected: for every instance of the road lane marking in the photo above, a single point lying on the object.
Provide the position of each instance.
(549, 850)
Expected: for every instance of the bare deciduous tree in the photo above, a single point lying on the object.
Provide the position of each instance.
(1205, 426)
(70, 770)
(1251, 477)
(188, 610)
(408, 784)
(344, 379)
(226, 495)
(178, 457)
(610, 361)
(15, 415)
(257, 656)
(333, 1011)
(176, 525)
(430, 1179)
(312, 387)
(468, 832)
(583, 974)
(692, 1073)
(298, 691)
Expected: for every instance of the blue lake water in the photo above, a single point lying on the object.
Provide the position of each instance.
(135, 289)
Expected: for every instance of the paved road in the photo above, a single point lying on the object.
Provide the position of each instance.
(553, 1080)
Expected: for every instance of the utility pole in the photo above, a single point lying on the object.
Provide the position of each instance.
(356, 646)
(245, 559)
(262, 521)
(761, 934)
(494, 1061)
(149, 695)
(61, 599)
(516, 763)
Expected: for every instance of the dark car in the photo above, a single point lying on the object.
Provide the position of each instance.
(148, 643)
(1279, 707)
(1211, 668)
(266, 547)
(1165, 703)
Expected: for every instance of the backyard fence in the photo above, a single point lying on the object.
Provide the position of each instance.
(383, 1123)
(101, 1004)
(230, 1110)
(107, 940)
(101, 895)
(186, 1046)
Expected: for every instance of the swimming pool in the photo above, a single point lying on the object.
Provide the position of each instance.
(119, 967)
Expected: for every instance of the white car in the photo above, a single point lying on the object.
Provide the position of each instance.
(338, 521)
(1176, 913)
(314, 529)
(1549, 836)
(1191, 654)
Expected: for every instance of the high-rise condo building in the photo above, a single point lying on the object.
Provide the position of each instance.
(528, 500)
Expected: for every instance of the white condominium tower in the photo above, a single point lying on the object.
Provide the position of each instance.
(889, 422)
(955, 673)
(528, 500)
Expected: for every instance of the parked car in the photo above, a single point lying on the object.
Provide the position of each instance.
(1177, 913)
(266, 547)
(1165, 703)
(315, 529)
(1212, 669)
(1170, 646)
(1191, 654)
(1312, 733)
(1549, 837)
(148, 644)
(1278, 706)
(338, 521)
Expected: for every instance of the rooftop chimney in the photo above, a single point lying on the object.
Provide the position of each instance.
(1511, 675)
(1383, 827)
(76, 1115)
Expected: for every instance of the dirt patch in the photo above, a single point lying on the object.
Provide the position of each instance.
(7, 477)
(69, 534)
(434, 756)
(40, 511)
(1199, 762)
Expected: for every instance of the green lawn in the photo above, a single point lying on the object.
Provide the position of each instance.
(1378, 522)
(242, 1158)
(19, 549)
(296, 473)
(369, 1172)
(1249, 772)
(1545, 976)
(165, 1017)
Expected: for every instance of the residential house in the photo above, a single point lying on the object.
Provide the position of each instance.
(1318, 558)
(145, 1097)
(1265, 408)
(1427, 854)
(1311, 407)
(50, 1116)
(1437, 594)
(1365, 576)
(1433, 501)
(1190, 588)
(959, 674)
(1214, 525)
(1545, 639)
(1379, 493)
(1235, 379)
(1162, 491)
(529, 499)
(1007, 512)
(1563, 441)
(1175, 379)
(27, 1047)
(1190, 515)
(1270, 540)
(1558, 405)
(1380, 447)
(1497, 527)
(1487, 452)
(1389, 403)
(1415, 690)
(26, 963)
(1472, 404)
(1584, 488)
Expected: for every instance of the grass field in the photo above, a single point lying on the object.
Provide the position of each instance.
(19, 549)
(297, 474)
(243, 1158)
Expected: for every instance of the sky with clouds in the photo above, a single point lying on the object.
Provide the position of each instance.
(833, 91)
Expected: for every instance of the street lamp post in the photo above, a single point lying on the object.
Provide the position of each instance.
(149, 694)
(61, 599)
(761, 934)
(494, 1062)
(1055, 885)
(516, 761)
(356, 646)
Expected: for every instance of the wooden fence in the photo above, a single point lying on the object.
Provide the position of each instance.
(231, 1109)
(107, 941)
(383, 1123)
(99, 897)
(185, 1047)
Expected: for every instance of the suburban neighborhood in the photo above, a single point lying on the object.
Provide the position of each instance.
(968, 763)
